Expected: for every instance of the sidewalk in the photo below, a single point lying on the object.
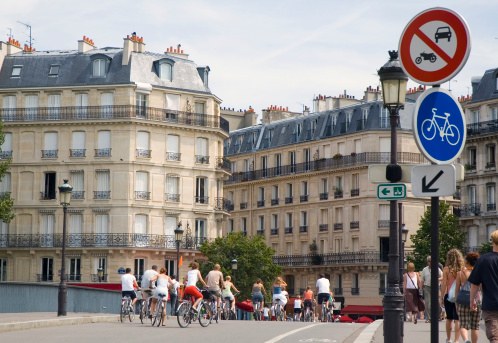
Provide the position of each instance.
(421, 332)
(25, 321)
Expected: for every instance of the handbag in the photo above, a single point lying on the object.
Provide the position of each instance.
(451, 293)
(463, 297)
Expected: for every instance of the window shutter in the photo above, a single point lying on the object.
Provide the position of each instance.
(173, 102)
(141, 182)
(79, 140)
(143, 140)
(78, 181)
(104, 140)
(101, 223)
(48, 222)
(172, 144)
(76, 224)
(140, 224)
(103, 181)
(51, 141)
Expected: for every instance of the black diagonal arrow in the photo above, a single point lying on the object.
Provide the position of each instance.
(427, 188)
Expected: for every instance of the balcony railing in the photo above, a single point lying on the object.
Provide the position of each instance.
(201, 200)
(77, 152)
(223, 163)
(113, 112)
(338, 291)
(354, 225)
(142, 195)
(337, 226)
(73, 277)
(355, 192)
(482, 128)
(323, 227)
(201, 159)
(104, 278)
(243, 205)
(172, 197)
(77, 195)
(303, 228)
(303, 198)
(288, 230)
(223, 204)
(382, 290)
(324, 196)
(338, 195)
(244, 233)
(5, 154)
(103, 152)
(173, 156)
(274, 202)
(383, 223)
(355, 291)
(44, 277)
(260, 232)
(288, 200)
(143, 153)
(470, 210)
(48, 195)
(261, 203)
(90, 240)
(274, 231)
(49, 153)
(491, 207)
(359, 257)
(491, 165)
(101, 194)
(365, 158)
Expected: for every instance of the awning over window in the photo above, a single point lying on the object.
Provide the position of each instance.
(359, 309)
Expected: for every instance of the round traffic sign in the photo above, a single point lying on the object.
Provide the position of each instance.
(439, 126)
(434, 46)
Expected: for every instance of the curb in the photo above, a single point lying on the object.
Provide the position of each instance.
(56, 322)
(366, 336)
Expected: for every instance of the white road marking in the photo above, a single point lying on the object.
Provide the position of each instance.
(278, 338)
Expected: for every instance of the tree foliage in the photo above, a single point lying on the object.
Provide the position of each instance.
(254, 259)
(450, 236)
(6, 203)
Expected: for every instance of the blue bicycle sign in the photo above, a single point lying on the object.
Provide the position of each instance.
(439, 126)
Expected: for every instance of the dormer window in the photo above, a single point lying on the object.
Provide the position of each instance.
(54, 70)
(99, 68)
(204, 74)
(164, 69)
(16, 71)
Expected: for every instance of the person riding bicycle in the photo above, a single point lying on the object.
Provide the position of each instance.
(257, 288)
(213, 279)
(147, 289)
(309, 299)
(323, 291)
(227, 292)
(278, 296)
(331, 303)
(298, 304)
(128, 281)
(161, 291)
(173, 294)
(193, 276)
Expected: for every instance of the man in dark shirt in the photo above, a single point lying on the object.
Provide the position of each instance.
(485, 273)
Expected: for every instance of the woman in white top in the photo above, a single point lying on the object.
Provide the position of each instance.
(161, 290)
(193, 276)
(227, 292)
(411, 283)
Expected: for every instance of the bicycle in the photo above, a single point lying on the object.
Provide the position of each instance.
(226, 308)
(186, 314)
(323, 315)
(127, 309)
(158, 314)
(279, 312)
(308, 314)
(257, 310)
(448, 130)
(297, 316)
(144, 307)
(213, 305)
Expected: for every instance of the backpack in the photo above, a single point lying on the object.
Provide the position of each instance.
(172, 289)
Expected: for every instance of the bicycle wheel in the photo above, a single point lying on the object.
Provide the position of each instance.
(233, 315)
(204, 313)
(141, 310)
(428, 129)
(123, 312)
(452, 134)
(183, 315)
(131, 313)
(159, 316)
(329, 318)
(323, 314)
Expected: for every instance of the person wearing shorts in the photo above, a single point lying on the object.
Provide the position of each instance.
(308, 298)
(128, 282)
(213, 280)
(323, 291)
(193, 276)
(298, 304)
(266, 312)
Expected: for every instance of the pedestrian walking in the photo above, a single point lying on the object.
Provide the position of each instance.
(485, 273)
(454, 264)
(411, 284)
(425, 278)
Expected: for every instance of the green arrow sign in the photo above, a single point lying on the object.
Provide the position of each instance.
(391, 191)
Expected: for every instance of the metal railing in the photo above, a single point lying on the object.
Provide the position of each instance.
(48, 195)
(101, 194)
(95, 278)
(338, 291)
(103, 152)
(201, 200)
(355, 291)
(260, 203)
(288, 230)
(274, 231)
(113, 112)
(482, 128)
(173, 156)
(491, 207)
(5, 154)
(365, 158)
(303, 198)
(324, 196)
(143, 153)
(354, 225)
(470, 210)
(338, 194)
(243, 205)
(355, 192)
(77, 195)
(323, 227)
(172, 197)
(77, 152)
(96, 240)
(49, 153)
(303, 228)
(44, 277)
(383, 223)
(142, 195)
(337, 226)
(223, 204)
(201, 159)
(223, 163)
(274, 202)
(359, 257)
(73, 277)
(288, 200)
(260, 232)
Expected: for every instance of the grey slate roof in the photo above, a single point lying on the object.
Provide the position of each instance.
(75, 70)
(486, 90)
(284, 132)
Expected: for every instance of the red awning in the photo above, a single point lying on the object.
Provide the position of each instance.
(359, 309)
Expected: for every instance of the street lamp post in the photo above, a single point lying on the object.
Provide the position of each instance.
(178, 239)
(65, 194)
(393, 93)
(234, 268)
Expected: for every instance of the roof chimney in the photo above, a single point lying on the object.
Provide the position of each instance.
(178, 52)
(85, 45)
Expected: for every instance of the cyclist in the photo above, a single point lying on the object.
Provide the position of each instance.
(145, 284)
(331, 303)
(213, 279)
(257, 288)
(323, 291)
(173, 294)
(128, 282)
(193, 276)
(162, 280)
(298, 304)
(227, 292)
(309, 299)
(279, 297)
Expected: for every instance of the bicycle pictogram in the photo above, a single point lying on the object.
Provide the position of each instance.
(448, 131)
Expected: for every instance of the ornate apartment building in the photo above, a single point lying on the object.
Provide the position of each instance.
(304, 180)
(477, 213)
(139, 137)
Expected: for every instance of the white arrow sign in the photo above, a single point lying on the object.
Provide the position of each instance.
(433, 180)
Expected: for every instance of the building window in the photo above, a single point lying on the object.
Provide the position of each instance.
(143, 149)
(200, 231)
(49, 191)
(5, 186)
(9, 107)
(6, 147)
(307, 159)
(172, 188)
(472, 159)
(338, 284)
(304, 191)
(101, 229)
(74, 269)
(107, 105)
(472, 194)
(54, 70)
(490, 157)
(3, 269)
(382, 283)
(75, 230)
(202, 155)
(50, 145)
(289, 194)
(199, 107)
(254, 138)
(141, 186)
(78, 147)
(304, 222)
(141, 108)
(384, 118)
(47, 230)
(54, 106)
(104, 144)
(103, 185)
(31, 107)
(46, 269)
(139, 269)
(165, 71)
(243, 225)
(288, 223)
(384, 248)
(4, 231)
(16, 71)
(230, 225)
(261, 225)
(173, 148)
(491, 189)
(384, 216)
(201, 191)
(99, 68)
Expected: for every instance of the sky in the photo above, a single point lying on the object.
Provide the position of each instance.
(260, 53)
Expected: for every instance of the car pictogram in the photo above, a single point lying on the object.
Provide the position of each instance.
(443, 32)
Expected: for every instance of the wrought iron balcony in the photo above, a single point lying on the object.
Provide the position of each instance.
(48, 195)
(358, 257)
(355, 291)
(173, 156)
(101, 194)
(244, 233)
(382, 290)
(125, 240)
(338, 291)
(104, 278)
(73, 277)
(457, 211)
(355, 192)
(274, 231)
(303, 228)
(303, 198)
(491, 207)
(337, 226)
(365, 158)
(456, 195)
(288, 230)
(142, 195)
(261, 203)
(324, 196)
(354, 225)
(323, 227)
(5, 154)
(491, 165)
(103, 152)
(482, 128)
(243, 205)
(223, 204)
(274, 202)
(68, 113)
(338, 194)
(201, 200)
(172, 197)
(77, 152)
(470, 210)
(143, 153)
(44, 277)
(288, 200)
(260, 232)
(383, 223)
(49, 153)
(201, 159)
(77, 195)
(223, 163)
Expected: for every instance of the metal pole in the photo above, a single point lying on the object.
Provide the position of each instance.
(393, 299)
(62, 300)
(434, 270)
(402, 257)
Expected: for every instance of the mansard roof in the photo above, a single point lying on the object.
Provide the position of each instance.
(487, 89)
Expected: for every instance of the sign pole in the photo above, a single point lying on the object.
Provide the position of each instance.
(434, 270)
